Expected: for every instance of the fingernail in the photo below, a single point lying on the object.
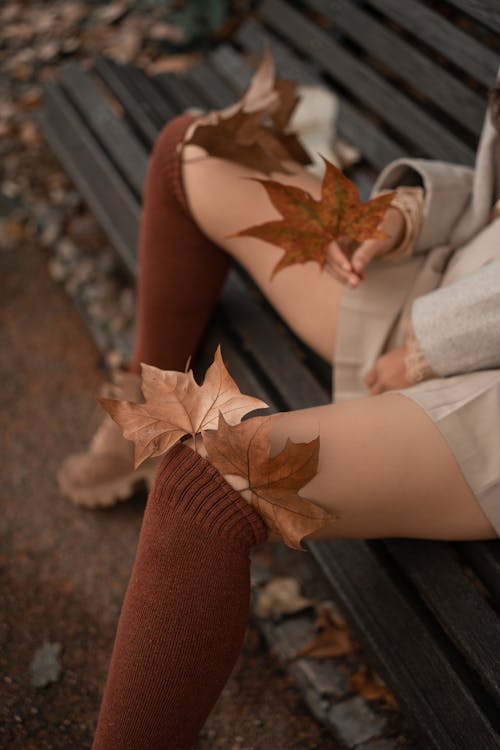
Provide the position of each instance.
(346, 266)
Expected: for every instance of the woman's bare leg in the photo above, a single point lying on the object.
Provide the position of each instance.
(386, 470)
(221, 202)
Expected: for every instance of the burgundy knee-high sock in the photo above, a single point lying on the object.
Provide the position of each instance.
(185, 611)
(181, 271)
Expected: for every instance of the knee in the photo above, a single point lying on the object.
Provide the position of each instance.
(169, 136)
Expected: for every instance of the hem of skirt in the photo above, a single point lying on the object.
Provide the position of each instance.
(488, 496)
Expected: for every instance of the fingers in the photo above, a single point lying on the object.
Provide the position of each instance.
(364, 254)
(339, 265)
(374, 385)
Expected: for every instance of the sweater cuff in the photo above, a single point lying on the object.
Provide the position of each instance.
(416, 364)
(410, 202)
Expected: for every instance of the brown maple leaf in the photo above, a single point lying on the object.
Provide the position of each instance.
(175, 405)
(309, 225)
(244, 450)
(334, 638)
(371, 687)
(331, 642)
(251, 132)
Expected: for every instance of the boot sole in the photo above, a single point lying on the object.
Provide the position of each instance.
(106, 494)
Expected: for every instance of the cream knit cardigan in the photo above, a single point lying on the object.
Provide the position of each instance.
(457, 326)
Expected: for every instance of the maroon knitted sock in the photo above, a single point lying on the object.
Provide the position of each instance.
(185, 611)
(181, 271)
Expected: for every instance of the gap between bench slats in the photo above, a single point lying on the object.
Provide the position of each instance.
(408, 63)
(442, 36)
(365, 84)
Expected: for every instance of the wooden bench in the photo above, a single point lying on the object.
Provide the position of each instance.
(411, 77)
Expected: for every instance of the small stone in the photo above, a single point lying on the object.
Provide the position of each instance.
(354, 721)
(70, 45)
(114, 359)
(66, 249)
(10, 189)
(48, 51)
(45, 667)
(50, 234)
(84, 271)
(57, 269)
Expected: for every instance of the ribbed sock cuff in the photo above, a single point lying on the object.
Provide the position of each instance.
(171, 159)
(191, 484)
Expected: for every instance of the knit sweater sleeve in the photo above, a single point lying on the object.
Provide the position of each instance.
(446, 190)
(457, 326)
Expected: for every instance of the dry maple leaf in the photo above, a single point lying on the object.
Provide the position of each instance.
(309, 225)
(244, 450)
(251, 132)
(332, 641)
(371, 687)
(175, 405)
(334, 638)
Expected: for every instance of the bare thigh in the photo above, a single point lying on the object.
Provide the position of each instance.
(221, 203)
(386, 470)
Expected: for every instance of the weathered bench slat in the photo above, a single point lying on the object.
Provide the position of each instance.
(148, 94)
(407, 652)
(465, 616)
(93, 173)
(179, 92)
(206, 80)
(109, 73)
(367, 85)
(413, 66)
(269, 350)
(114, 133)
(462, 49)
(484, 559)
(486, 11)
(376, 146)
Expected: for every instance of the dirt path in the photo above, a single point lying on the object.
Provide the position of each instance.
(63, 570)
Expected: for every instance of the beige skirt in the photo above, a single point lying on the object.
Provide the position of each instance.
(466, 407)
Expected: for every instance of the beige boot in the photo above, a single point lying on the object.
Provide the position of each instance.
(105, 474)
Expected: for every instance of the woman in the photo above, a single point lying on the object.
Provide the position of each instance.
(413, 322)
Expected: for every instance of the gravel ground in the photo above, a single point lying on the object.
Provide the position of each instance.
(64, 570)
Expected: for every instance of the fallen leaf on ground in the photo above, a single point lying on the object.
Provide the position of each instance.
(244, 449)
(334, 638)
(332, 641)
(309, 225)
(281, 596)
(251, 132)
(371, 687)
(175, 405)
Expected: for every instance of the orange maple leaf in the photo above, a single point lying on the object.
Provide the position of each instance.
(251, 132)
(371, 687)
(175, 405)
(334, 639)
(244, 450)
(309, 225)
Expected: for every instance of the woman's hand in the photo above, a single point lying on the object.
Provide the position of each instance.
(347, 259)
(388, 372)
